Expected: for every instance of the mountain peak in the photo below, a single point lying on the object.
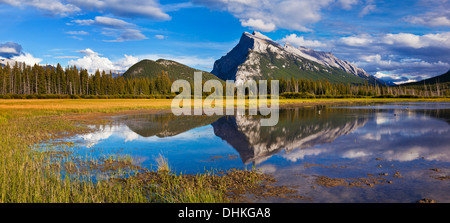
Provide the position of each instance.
(260, 35)
(256, 57)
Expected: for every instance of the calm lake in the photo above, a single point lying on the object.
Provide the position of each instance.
(391, 152)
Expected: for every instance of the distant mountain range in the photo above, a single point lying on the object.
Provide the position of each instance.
(443, 78)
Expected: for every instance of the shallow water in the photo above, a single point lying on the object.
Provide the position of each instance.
(354, 143)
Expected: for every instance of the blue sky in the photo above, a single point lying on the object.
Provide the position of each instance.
(394, 40)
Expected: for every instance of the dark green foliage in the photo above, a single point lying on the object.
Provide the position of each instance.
(57, 82)
(38, 82)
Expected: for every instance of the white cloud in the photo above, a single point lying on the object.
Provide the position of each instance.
(83, 22)
(130, 8)
(112, 27)
(300, 41)
(160, 36)
(27, 58)
(347, 4)
(77, 33)
(360, 40)
(8, 50)
(55, 7)
(435, 14)
(66, 57)
(429, 20)
(92, 61)
(417, 41)
(258, 24)
(125, 35)
(407, 40)
(272, 15)
(104, 21)
(126, 62)
(88, 52)
(112, 22)
(367, 9)
(408, 67)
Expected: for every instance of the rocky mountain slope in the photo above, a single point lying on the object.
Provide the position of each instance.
(258, 57)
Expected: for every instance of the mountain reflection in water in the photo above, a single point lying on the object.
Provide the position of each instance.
(300, 130)
(357, 141)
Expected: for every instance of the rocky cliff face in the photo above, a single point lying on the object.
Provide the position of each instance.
(258, 57)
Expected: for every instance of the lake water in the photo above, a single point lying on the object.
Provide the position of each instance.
(393, 152)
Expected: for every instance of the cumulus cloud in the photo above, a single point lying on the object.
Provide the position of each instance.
(277, 14)
(300, 41)
(126, 62)
(359, 40)
(418, 41)
(258, 24)
(93, 61)
(27, 58)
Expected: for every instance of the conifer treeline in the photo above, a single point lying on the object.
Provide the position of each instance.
(308, 88)
(47, 80)
(27, 80)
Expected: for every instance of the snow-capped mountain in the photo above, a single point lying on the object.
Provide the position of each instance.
(256, 56)
(327, 59)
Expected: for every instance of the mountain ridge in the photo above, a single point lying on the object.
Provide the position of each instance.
(256, 57)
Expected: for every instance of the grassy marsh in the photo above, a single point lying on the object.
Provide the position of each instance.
(31, 175)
